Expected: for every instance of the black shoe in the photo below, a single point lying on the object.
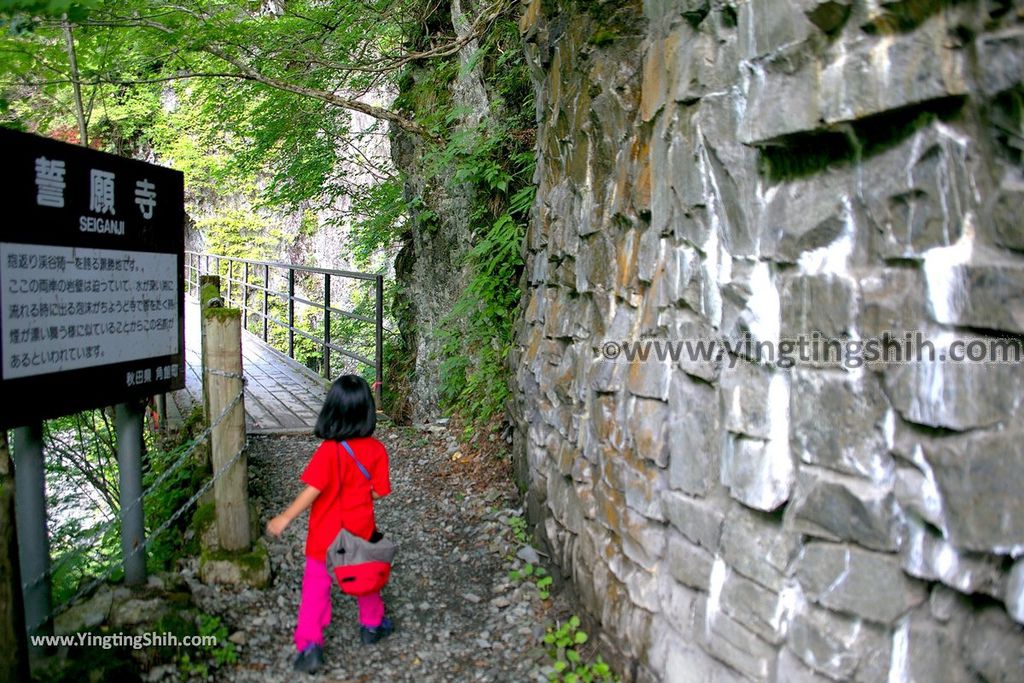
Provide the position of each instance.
(310, 660)
(372, 635)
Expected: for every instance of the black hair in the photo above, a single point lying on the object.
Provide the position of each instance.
(349, 410)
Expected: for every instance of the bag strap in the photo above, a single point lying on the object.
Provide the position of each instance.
(362, 469)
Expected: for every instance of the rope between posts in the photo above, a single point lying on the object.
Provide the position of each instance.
(153, 536)
(106, 526)
(225, 373)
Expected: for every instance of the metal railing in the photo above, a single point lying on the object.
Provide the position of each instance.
(256, 277)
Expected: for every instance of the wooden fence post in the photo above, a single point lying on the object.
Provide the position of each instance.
(222, 343)
(209, 289)
(14, 653)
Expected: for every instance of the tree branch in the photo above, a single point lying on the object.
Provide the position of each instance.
(381, 113)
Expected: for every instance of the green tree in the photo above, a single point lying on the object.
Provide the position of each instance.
(272, 99)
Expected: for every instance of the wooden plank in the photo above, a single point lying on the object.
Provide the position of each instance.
(281, 394)
(271, 395)
(258, 416)
(289, 389)
(273, 410)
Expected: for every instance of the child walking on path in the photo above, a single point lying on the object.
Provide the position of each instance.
(341, 498)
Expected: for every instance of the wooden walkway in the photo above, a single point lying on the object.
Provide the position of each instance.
(281, 395)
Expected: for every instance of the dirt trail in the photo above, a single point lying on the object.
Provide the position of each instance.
(458, 616)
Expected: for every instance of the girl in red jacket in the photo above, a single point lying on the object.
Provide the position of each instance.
(341, 497)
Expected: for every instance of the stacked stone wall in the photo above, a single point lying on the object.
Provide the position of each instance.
(767, 169)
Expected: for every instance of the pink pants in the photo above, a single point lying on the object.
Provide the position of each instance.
(315, 608)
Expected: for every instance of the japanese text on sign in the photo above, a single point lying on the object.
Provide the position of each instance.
(66, 308)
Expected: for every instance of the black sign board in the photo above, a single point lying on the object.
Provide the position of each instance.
(91, 265)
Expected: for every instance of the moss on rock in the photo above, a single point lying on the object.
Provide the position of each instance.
(251, 567)
(222, 314)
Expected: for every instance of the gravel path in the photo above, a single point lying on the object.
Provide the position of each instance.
(458, 616)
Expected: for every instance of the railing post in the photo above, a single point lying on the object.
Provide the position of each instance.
(245, 297)
(266, 295)
(231, 275)
(379, 355)
(326, 340)
(291, 312)
(327, 325)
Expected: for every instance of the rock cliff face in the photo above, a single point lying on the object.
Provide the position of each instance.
(430, 272)
(775, 168)
(430, 268)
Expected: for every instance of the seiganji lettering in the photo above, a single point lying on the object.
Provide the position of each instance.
(50, 182)
(101, 192)
(145, 197)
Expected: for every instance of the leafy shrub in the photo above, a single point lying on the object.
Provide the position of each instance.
(563, 643)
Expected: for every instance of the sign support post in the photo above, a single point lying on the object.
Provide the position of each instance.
(128, 423)
(161, 412)
(14, 656)
(30, 513)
